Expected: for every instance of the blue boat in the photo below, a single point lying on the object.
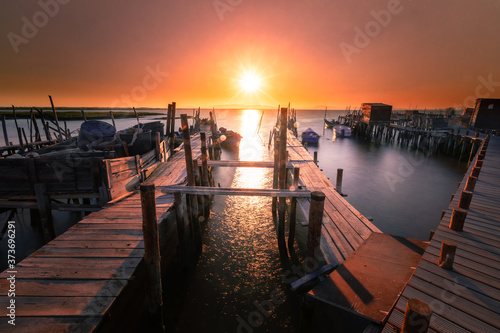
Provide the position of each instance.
(309, 136)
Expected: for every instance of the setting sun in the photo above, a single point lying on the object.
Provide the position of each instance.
(250, 82)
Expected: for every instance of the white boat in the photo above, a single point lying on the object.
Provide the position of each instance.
(342, 130)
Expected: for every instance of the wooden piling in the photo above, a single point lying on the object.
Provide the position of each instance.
(190, 199)
(475, 171)
(447, 255)
(275, 172)
(417, 317)
(316, 158)
(5, 135)
(282, 178)
(204, 172)
(172, 129)
(45, 212)
(338, 185)
(136, 116)
(458, 219)
(56, 119)
(315, 220)
(465, 199)
(293, 209)
(112, 118)
(470, 184)
(179, 214)
(154, 301)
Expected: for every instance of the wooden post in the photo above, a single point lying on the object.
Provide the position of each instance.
(465, 199)
(5, 135)
(191, 199)
(293, 208)
(431, 234)
(167, 125)
(471, 183)
(181, 230)
(158, 148)
(112, 118)
(275, 172)
(316, 158)
(475, 171)
(447, 255)
(45, 212)
(84, 116)
(338, 185)
(56, 119)
(204, 173)
(479, 164)
(315, 219)
(152, 256)
(172, 129)
(458, 219)
(136, 116)
(417, 317)
(282, 179)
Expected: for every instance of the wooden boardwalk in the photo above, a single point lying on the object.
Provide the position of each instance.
(344, 228)
(72, 282)
(467, 298)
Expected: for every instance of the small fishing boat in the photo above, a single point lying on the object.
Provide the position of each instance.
(229, 140)
(342, 131)
(309, 136)
(330, 123)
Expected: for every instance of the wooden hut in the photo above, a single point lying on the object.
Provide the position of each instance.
(375, 113)
(486, 114)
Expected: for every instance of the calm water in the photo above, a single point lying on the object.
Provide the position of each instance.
(238, 285)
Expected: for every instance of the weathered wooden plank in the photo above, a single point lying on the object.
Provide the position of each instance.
(235, 191)
(64, 288)
(61, 306)
(96, 244)
(56, 252)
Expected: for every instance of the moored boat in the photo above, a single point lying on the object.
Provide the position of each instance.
(229, 140)
(330, 123)
(309, 136)
(342, 131)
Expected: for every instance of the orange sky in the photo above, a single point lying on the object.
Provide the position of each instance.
(311, 53)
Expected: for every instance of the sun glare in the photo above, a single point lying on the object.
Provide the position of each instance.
(250, 82)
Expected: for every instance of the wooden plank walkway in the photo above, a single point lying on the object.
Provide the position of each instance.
(71, 283)
(344, 228)
(467, 298)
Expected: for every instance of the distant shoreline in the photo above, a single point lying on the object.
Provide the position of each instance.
(71, 114)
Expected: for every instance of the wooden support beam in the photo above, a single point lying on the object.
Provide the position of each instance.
(187, 150)
(60, 138)
(112, 118)
(293, 209)
(282, 178)
(196, 190)
(152, 258)
(172, 129)
(470, 184)
(315, 222)
(45, 212)
(5, 135)
(179, 215)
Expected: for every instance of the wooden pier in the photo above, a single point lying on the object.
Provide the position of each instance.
(343, 228)
(80, 279)
(465, 296)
